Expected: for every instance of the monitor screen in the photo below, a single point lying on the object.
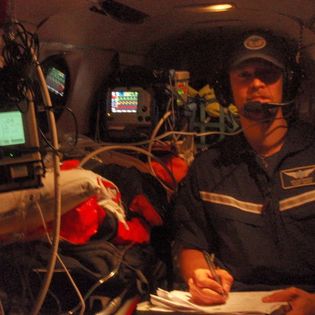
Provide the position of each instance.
(56, 81)
(124, 101)
(11, 128)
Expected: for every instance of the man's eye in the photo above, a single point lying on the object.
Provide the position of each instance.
(269, 76)
(245, 75)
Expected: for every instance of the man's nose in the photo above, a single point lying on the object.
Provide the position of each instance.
(257, 82)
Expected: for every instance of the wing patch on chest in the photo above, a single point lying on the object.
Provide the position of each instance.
(297, 177)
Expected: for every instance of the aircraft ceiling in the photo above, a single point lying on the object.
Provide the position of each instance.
(72, 22)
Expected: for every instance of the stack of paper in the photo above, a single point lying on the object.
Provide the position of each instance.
(237, 303)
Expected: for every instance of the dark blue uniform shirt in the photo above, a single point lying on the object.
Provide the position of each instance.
(257, 216)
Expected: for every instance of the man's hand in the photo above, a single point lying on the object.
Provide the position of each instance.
(301, 302)
(205, 290)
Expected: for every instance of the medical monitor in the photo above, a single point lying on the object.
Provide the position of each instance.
(57, 76)
(129, 112)
(56, 81)
(20, 158)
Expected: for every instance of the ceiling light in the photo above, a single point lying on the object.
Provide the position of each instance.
(215, 7)
(219, 7)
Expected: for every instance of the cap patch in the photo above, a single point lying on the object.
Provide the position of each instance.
(255, 42)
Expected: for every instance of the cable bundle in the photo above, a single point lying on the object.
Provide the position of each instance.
(15, 76)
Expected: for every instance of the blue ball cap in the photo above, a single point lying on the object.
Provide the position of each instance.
(257, 46)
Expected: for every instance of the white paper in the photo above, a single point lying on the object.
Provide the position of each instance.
(237, 302)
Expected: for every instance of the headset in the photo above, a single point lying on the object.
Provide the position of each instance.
(292, 73)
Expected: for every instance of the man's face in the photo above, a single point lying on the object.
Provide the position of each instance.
(256, 80)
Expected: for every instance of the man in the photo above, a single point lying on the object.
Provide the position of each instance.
(250, 200)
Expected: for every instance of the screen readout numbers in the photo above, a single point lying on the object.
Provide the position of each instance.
(56, 81)
(124, 101)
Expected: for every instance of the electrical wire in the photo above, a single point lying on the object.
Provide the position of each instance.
(82, 302)
(56, 165)
(20, 53)
(150, 155)
(136, 149)
(199, 134)
(76, 133)
(183, 133)
(19, 46)
(151, 143)
(104, 279)
(210, 133)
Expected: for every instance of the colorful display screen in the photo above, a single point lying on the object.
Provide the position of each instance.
(11, 128)
(56, 81)
(124, 101)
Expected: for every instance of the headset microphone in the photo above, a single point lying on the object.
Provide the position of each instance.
(267, 109)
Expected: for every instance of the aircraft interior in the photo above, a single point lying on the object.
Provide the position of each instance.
(104, 106)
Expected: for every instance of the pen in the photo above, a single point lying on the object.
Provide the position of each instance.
(210, 261)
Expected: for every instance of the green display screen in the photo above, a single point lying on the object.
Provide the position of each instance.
(11, 128)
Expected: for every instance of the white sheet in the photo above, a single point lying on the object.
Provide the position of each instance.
(19, 212)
